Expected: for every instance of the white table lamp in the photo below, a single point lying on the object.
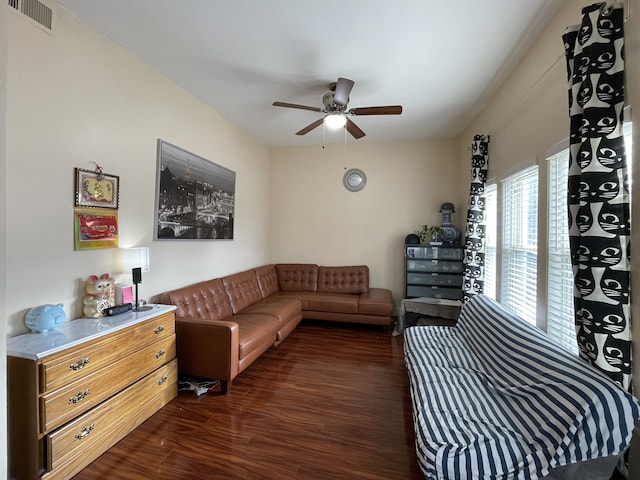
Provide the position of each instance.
(136, 260)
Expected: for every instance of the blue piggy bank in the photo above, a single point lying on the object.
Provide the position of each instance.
(45, 317)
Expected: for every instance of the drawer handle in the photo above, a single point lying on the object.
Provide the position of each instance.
(161, 353)
(80, 364)
(81, 395)
(162, 380)
(159, 330)
(84, 433)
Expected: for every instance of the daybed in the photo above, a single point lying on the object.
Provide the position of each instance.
(494, 398)
(223, 325)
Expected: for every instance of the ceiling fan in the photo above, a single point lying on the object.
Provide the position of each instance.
(335, 107)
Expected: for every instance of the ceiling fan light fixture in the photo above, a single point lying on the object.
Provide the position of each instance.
(336, 109)
(335, 120)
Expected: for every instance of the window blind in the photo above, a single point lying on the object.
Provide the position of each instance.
(520, 243)
(560, 312)
(490, 248)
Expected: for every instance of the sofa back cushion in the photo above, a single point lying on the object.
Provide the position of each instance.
(207, 300)
(242, 289)
(297, 277)
(351, 279)
(267, 280)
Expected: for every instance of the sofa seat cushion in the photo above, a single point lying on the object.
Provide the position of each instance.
(256, 331)
(282, 308)
(377, 301)
(327, 302)
(288, 311)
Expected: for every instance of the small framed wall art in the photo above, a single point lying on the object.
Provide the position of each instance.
(96, 189)
(95, 228)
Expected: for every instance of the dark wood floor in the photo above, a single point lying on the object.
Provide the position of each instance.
(331, 402)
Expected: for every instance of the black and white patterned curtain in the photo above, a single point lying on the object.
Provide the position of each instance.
(473, 283)
(598, 189)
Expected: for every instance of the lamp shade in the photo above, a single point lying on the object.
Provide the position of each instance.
(137, 257)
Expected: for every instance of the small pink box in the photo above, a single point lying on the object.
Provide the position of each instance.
(124, 294)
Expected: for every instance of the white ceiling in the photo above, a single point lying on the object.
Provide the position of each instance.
(440, 60)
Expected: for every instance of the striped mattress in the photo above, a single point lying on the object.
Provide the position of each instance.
(493, 398)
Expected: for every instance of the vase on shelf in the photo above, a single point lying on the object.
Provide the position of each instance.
(450, 233)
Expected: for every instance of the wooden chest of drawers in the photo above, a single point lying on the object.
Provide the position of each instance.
(75, 391)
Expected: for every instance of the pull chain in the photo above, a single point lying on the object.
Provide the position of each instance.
(323, 136)
(345, 146)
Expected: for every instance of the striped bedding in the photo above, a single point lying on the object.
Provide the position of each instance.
(493, 398)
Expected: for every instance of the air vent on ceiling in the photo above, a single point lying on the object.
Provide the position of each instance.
(35, 10)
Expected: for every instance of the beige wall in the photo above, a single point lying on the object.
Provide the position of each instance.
(315, 219)
(75, 97)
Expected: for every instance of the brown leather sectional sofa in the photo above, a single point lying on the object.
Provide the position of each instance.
(224, 324)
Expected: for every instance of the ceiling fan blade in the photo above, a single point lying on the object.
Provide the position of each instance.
(295, 105)
(343, 89)
(310, 127)
(388, 110)
(354, 130)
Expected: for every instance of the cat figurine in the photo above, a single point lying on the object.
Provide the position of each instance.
(100, 295)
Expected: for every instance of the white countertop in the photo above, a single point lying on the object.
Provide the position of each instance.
(34, 346)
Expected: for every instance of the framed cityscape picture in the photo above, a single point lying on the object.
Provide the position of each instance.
(195, 198)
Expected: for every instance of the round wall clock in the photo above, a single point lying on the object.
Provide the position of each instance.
(354, 180)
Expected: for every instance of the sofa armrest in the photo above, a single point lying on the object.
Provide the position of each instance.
(207, 348)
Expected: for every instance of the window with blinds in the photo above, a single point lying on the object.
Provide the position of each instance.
(491, 242)
(520, 243)
(560, 317)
